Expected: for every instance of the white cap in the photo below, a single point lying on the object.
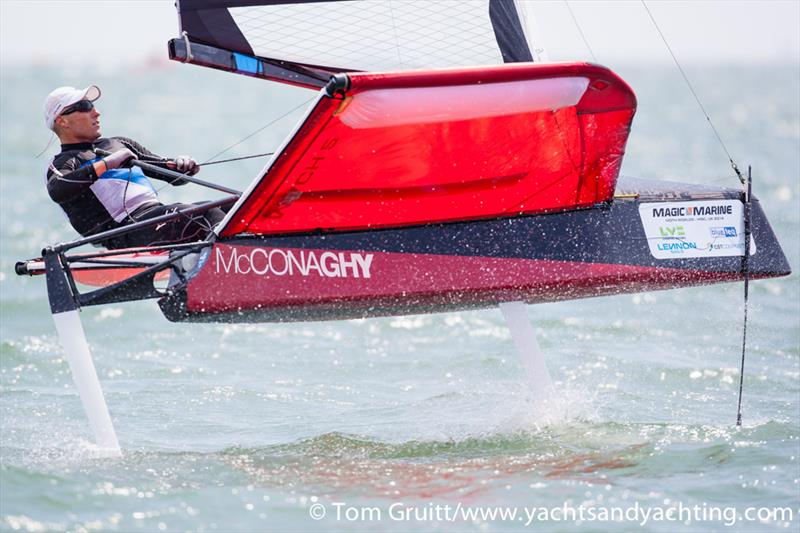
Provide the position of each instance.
(62, 97)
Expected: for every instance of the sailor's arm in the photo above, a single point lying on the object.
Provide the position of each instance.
(183, 164)
(67, 178)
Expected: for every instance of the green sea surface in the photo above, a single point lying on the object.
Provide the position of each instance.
(408, 423)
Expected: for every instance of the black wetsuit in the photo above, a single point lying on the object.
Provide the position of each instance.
(119, 197)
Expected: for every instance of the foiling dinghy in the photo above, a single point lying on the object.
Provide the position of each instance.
(414, 184)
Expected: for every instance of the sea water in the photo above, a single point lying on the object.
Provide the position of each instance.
(417, 422)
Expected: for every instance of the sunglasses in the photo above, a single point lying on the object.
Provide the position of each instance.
(81, 107)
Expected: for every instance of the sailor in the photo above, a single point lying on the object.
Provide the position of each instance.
(102, 193)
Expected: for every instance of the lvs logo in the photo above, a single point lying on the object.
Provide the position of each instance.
(671, 231)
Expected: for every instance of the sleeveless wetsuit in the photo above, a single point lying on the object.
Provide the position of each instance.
(119, 197)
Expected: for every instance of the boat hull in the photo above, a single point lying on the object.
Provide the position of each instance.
(599, 251)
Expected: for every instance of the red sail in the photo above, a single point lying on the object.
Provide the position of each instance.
(418, 147)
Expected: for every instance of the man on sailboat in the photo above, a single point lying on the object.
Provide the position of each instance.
(103, 193)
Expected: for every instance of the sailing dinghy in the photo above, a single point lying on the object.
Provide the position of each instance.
(441, 166)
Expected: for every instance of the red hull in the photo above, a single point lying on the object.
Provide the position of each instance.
(239, 279)
(540, 258)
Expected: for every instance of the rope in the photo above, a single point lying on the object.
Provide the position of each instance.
(585, 40)
(237, 158)
(188, 44)
(697, 99)
(52, 138)
(746, 272)
(164, 163)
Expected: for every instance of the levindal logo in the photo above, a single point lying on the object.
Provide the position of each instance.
(278, 262)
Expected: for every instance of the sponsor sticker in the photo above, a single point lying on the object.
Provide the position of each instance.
(291, 262)
(677, 230)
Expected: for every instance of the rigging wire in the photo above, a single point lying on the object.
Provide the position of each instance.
(748, 187)
(746, 272)
(164, 163)
(697, 98)
(265, 126)
(218, 161)
(211, 161)
(580, 30)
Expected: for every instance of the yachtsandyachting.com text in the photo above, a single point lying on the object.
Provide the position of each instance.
(531, 515)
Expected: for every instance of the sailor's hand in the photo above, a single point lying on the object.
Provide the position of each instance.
(120, 158)
(185, 165)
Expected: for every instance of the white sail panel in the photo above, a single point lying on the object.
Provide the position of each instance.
(373, 34)
(305, 42)
(532, 34)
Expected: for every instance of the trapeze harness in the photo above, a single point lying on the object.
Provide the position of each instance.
(119, 197)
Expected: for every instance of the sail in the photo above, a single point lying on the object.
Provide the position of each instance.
(313, 38)
(420, 147)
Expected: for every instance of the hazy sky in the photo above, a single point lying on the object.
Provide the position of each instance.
(120, 31)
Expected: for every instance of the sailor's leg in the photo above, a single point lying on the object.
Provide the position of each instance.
(187, 228)
(530, 354)
(73, 340)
